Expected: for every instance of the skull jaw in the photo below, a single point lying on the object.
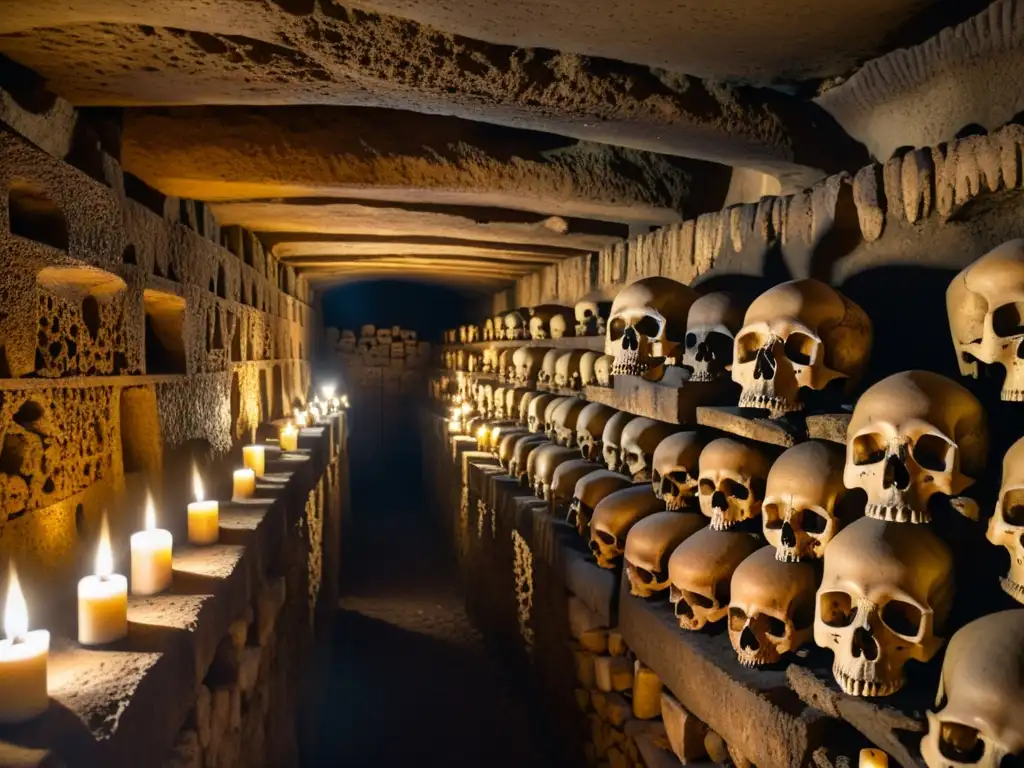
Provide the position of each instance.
(867, 678)
(763, 656)
(775, 405)
(897, 513)
(1013, 385)
(1011, 587)
(630, 363)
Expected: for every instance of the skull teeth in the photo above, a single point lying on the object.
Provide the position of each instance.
(787, 555)
(701, 376)
(1012, 588)
(749, 660)
(775, 405)
(853, 686)
(897, 513)
(1013, 395)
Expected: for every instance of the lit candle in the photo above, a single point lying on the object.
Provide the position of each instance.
(335, 405)
(314, 415)
(288, 437)
(151, 556)
(254, 458)
(244, 484)
(344, 401)
(103, 598)
(873, 758)
(203, 516)
(301, 417)
(327, 390)
(23, 657)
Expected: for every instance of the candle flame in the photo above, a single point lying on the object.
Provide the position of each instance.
(104, 554)
(16, 610)
(466, 408)
(150, 513)
(197, 484)
(327, 390)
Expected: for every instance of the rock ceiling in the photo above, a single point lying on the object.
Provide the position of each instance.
(471, 141)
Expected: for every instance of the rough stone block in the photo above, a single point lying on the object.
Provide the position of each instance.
(654, 754)
(599, 701)
(204, 714)
(582, 699)
(613, 673)
(249, 669)
(685, 732)
(594, 641)
(581, 618)
(186, 752)
(268, 604)
(646, 692)
(617, 710)
(616, 644)
(238, 631)
(585, 669)
(616, 759)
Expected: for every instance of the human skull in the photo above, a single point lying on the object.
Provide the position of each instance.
(496, 431)
(561, 327)
(518, 466)
(498, 408)
(498, 322)
(614, 515)
(473, 333)
(546, 375)
(912, 435)
(591, 316)
(771, 608)
(488, 329)
(527, 362)
(536, 411)
(647, 325)
(397, 349)
(587, 375)
(566, 417)
(980, 720)
(408, 335)
(803, 501)
(803, 333)
(524, 406)
(649, 545)
(985, 304)
(507, 441)
(567, 369)
(563, 483)
(505, 367)
(590, 490)
(675, 469)
(368, 331)
(540, 320)
(640, 438)
(548, 459)
(603, 370)
(885, 594)
(549, 416)
(1006, 527)
(611, 439)
(590, 426)
(515, 325)
(733, 474)
(699, 572)
(347, 342)
(514, 397)
(711, 328)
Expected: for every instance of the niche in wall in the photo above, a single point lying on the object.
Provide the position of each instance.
(236, 404)
(277, 411)
(264, 397)
(141, 447)
(35, 216)
(165, 332)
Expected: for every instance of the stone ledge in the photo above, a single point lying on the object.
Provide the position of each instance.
(109, 705)
(785, 432)
(668, 401)
(591, 343)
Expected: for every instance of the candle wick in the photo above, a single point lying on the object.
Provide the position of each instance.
(19, 639)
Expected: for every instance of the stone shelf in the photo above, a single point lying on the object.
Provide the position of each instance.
(669, 401)
(785, 432)
(597, 587)
(111, 704)
(592, 343)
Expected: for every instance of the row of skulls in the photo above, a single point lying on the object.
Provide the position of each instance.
(547, 321)
(883, 591)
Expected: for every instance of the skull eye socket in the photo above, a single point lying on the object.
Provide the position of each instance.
(747, 345)
(801, 348)
(707, 487)
(648, 326)
(616, 328)
(691, 340)
(1008, 320)
(961, 743)
(813, 521)
(678, 477)
(776, 627)
(1013, 507)
(933, 453)
(695, 598)
(737, 618)
(902, 617)
(734, 489)
(772, 518)
(837, 609)
(868, 449)
(606, 538)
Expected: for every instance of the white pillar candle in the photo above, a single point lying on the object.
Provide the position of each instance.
(103, 599)
(244, 484)
(873, 758)
(151, 556)
(288, 437)
(254, 458)
(23, 657)
(203, 516)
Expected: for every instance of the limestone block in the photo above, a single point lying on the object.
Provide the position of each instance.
(582, 699)
(204, 714)
(585, 669)
(617, 710)
(599, 701)
(685, 732)
(738, 759)
(646, 693)
(654, 755)
(268, 604)
(581, 618)
(186, 752)
(249, 669)
(616, 645)
(613, 673)
(594, 641)
(716, 747)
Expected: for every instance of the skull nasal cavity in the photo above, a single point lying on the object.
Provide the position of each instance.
(719, 501)
(748, 640)
(629, 340)
(788, 535)
(764, 365)
(896, 474)
(864, 644)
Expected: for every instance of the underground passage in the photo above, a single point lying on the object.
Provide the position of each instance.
(525, 385)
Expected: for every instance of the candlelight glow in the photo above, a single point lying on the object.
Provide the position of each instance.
(344, 400)
(466, 408)
(481, 433)
(16, 610)
(104, 554)
(197, 484)
(300, 418)
(150, 513)
(328, 390)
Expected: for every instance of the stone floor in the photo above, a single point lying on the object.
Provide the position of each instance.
(406, 679)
